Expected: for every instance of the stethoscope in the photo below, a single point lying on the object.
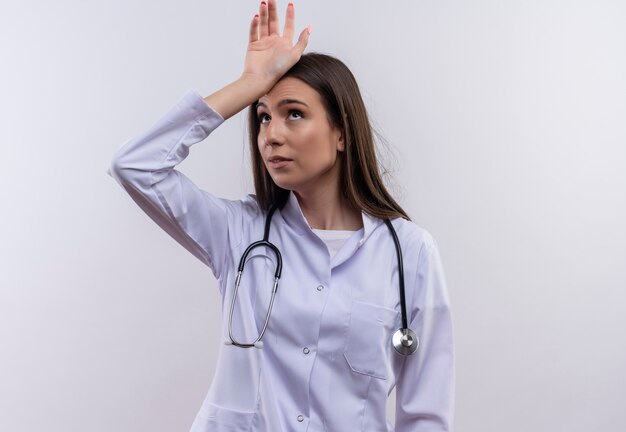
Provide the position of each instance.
(404, 340)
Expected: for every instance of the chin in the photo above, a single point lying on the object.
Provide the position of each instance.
(285, 183)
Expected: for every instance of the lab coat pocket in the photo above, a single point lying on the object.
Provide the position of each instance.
(218, 419)
(368, 337)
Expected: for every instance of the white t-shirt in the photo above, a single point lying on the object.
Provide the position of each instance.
(334, 239)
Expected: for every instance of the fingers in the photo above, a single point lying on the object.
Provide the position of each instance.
(266, 24)
(289, 22)
(303, 40)
(274, 25)
(254, 29)
(263, 12)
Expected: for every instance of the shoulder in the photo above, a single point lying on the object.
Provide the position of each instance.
(238, 216)
(423, 266)
(246, 207)
(250, 206)
(414, 238)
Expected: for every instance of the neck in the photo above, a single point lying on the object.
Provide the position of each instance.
(326, 209)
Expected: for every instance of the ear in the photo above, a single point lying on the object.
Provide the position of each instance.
(341, 144)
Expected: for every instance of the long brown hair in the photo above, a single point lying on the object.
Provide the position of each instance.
(360, 180)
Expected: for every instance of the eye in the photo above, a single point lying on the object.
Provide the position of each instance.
(264, 118)
(295, 114)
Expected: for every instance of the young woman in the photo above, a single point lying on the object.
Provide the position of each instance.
(317, 325)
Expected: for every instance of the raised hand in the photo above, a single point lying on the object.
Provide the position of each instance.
(268, 57)
(269, 54)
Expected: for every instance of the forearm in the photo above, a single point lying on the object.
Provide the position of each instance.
(237, 95)
(149, 156)
(145, 167)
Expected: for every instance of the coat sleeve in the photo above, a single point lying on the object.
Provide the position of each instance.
(425, 384)
(144, 167)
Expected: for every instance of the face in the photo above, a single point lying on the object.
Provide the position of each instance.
(296, 141)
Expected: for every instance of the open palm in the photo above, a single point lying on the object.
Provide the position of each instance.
(269, 54)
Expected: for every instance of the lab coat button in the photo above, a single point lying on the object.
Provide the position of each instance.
(306, 350)
(320, 287)
(300, 418)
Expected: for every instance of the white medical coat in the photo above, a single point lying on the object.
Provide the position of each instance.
(328, 363)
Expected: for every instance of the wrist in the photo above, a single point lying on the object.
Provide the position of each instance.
(239, 94)
(255, 85)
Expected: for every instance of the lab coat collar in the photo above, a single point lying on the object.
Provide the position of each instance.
(292, 213)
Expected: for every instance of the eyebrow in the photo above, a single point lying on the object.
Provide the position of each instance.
(282, 102)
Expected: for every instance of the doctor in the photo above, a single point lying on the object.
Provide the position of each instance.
(327, 361)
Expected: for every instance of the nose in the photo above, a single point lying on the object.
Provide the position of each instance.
(274, 133)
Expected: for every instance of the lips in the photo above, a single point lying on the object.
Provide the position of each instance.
(277, 162)
(275, 159)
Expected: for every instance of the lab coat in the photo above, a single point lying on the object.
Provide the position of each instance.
(327, 363)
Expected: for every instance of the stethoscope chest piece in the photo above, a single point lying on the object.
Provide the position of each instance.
(405, 341)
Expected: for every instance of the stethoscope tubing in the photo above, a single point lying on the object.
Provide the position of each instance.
(404, 339)
(279, 268)
(405, 323)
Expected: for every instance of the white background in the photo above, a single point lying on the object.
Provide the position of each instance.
(506, 126)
